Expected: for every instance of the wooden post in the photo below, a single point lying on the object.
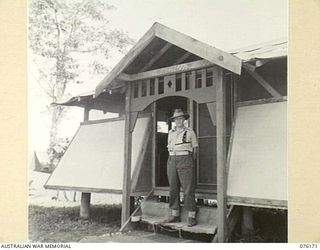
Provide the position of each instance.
(85, 205)
(247, 221)
(126, 186)
(86, 114)
(221, 155)
(132, 203)
(154, 144)
(85, 197)
(191, 112)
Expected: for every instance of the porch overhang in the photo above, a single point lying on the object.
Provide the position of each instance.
(189, 45)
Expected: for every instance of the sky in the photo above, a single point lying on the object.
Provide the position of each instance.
(225, 24)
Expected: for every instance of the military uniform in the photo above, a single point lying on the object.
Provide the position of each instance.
(181, 170)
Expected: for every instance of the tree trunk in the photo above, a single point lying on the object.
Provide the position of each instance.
(53, 132)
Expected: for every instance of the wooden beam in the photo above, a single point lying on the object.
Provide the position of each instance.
(126, 60)
(86, 114)
(176, 69)
(212, 111)
(154, 143)
(126, 186)
(156, 86)
(264, 83)
(191, 112)
(212, 54)
(233, 218)
(183, 81)
(204, 78)
(85, 197)
(249, 66)
(182, 58)
(257, 202)
(247, 221)
(141, 156)
(133, 120)
(85, 206)
(192, 80)
(231, 141)
(199, 194)
(84, 189)
(124, 77)
(221, 156)
(125, 225)
(156, 57)
(262, 101)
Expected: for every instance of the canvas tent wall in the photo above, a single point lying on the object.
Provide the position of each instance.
(40, 162)
(93, 161)
(257, 174)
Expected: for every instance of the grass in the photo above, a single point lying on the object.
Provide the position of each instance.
(53, 224)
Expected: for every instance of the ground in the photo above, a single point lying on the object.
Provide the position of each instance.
(53, 219)
(54, 216)
(62, 224)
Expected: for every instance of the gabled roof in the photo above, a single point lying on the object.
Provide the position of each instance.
(173, 37)
(268, 50)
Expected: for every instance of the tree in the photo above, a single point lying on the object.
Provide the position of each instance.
(60, 31)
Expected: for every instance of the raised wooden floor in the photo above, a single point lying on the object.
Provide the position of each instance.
(155, 213)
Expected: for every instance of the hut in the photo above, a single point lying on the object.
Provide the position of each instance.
(237, 106)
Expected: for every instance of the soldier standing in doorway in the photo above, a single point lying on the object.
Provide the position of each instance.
(182, 147)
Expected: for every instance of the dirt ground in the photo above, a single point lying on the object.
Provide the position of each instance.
(62, 224)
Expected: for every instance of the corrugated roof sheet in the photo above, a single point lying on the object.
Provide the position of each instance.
(272, 49)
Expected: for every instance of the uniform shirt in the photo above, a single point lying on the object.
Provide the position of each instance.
(184, 140)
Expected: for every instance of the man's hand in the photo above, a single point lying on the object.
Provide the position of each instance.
(194, 153)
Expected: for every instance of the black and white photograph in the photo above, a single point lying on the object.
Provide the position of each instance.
(157, 121)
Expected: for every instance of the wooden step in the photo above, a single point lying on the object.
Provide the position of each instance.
(156, 213)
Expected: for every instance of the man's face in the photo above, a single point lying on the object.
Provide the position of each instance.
(179, 121)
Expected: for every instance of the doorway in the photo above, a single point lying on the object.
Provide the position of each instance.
(202, 121)
(164, 110)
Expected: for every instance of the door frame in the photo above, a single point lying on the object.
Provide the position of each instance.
(201, 191)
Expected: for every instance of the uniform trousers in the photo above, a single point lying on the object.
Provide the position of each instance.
(181, 172)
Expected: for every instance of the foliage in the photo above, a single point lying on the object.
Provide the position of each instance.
(56, 151)
(60, 33)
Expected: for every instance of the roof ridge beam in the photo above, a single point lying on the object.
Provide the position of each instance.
(212, 54)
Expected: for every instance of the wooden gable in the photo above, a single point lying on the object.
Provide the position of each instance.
(165, 47)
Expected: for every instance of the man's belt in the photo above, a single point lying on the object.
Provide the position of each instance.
(182, 152)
